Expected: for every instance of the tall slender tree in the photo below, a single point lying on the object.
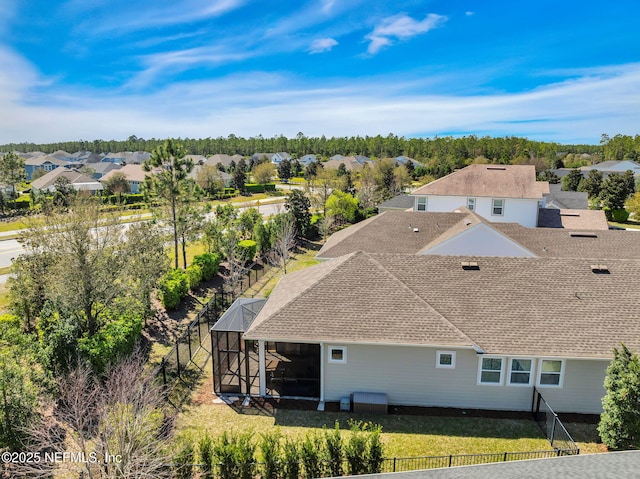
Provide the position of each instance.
(12, 170)
(170, 169)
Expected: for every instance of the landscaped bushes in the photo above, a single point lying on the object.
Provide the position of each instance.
(173, 286)
(246, 250)
(234, 456)
(194, 274)
(620, 216)
(209, 264)
(259, 188)
(113, 341)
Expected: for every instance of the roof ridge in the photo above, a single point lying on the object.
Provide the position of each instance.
(420, 299)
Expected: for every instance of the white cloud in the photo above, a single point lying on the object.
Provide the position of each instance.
(327, 5)
(573, 111)
(469, 13)
(400, 27)
(322, 45)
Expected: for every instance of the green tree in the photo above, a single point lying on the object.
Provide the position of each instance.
(550, 176)
(592, 184)
(614, 192)
(284, 170)
(210, 180)
(117, 184)
(342, 205)
(632, 205)
(12, 171)
(263, 173)
(170, 170)
(572, 180)
(619, 425)
(240, 176)
(299, 205)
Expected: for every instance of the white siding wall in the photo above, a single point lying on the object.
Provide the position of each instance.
(408, 375)
(523, 211)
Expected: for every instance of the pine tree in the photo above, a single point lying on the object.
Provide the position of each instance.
(619, 425)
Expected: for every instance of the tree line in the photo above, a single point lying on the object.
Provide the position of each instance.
(502, 149)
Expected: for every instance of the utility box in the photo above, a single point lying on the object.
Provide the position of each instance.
(376, 403)
(345, 404)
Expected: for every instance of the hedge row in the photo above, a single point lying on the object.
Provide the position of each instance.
(259, 188)
(176, 283)
(235, 456)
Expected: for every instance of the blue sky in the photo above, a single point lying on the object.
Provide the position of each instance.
(563, 71)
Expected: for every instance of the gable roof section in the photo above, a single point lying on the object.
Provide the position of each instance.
(79, 180)
(508, 306)
(133, 173)
(572, 200)
(389, 232)
(351, 302)
(501, 181)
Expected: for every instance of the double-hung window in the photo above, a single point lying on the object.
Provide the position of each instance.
(497, 207)
(471, 204)
(490, 371)
(421, 203)
(551, 372)
(520, 372)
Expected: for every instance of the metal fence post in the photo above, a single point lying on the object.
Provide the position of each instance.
(394, 464)
(189, 343)
(164, 372)
(553, 428)
(178, 356)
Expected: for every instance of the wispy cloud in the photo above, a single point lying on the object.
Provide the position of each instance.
(322, 45)
(469, 13)
(576, 110)
(400, 27)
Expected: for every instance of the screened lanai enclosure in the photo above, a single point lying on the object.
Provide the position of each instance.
(290, 369)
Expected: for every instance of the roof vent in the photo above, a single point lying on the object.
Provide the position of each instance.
(502, 168)
(600, 269)
(416, 230)
(470, 265)
(580, 234)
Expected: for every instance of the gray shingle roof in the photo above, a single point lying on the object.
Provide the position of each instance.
(503, 181)
(513, 306)
(392, 232)
(572, 200)
(572, 219)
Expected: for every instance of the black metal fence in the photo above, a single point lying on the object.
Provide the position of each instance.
(551, 425)
(402, 464)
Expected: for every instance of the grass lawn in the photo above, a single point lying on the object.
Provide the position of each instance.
(403, 435)
(629, 224)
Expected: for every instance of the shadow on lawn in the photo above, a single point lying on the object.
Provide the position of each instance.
(436, 421)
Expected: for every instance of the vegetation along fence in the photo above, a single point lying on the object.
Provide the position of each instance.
(551, 425)
(182, 366)
(393, 464)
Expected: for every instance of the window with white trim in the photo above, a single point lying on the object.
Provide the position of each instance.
(497, 207)
(421, 203)
(551, 373)
(471, 204)
(490, 371)
(520, 371)
(337, 354)
(446, 359)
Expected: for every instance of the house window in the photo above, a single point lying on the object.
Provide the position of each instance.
(551, 372)
(446, 359)
(520, 372)
(337, 354)
(497, 207)
(421, 203)
(490, 371)
(471, 204)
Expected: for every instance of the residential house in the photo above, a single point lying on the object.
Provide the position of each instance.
(79, 181)
(279, 157)
(42, 162)
(451, 310)
(224, 160)
(306, 160)
(499, 193)
(351, 163)
(98, 170)
(605, 167)
(224, 176)
(133, 172)
(402, 202)
(569, 200)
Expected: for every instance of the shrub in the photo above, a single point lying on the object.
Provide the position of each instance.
(312, 455)
(209, 264)
(114, 340)
(174, 285)
(356, 450)
(183, 460)
(333, 443)
(205, 453)
(246, 250)
(291, 460)
(235, 456)
(620, 216)
(270, 449)
(194, 274)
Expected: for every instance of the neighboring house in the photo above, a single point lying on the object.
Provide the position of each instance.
(306, 160)
(42, 162)
(224, 160)
(277, 158)
(127, 157)
(351, 163)
(606, 168)
(403, 160)
(593, 220)
(224, 176)
(79, 181)
(499, 193)
(196, 159)
(566, 200)
(134, 173)
(402, 202)
(261, 156)
(100, 169)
